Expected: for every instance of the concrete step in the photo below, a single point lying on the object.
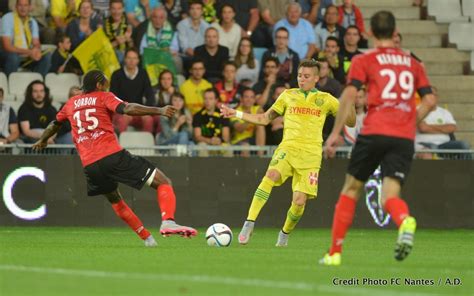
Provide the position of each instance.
(419, 41)
(448, 96)
(384, 3)
(416, 26)
(465, 136)
(441, 54)
(465, 125)
(401, 13)
(435, 68)
(457, 83)
(461, 111)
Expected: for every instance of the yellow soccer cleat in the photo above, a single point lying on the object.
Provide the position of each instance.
(331, 260)
(406, 236)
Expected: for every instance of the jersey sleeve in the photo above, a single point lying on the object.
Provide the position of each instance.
(280, 104)
(423, 86)
(357, 72)
(333, 105)
(111, 102)
(61, 116)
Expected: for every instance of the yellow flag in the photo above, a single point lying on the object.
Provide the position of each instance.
(97, 53)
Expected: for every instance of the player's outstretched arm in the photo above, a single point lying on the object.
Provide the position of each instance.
(259, 118)
(50, 131)
(134, 109)
(345, 115)
(428, 104)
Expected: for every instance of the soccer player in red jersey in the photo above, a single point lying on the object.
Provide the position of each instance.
(392, 76)
(106, 163)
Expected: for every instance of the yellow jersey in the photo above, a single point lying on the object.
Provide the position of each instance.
(193, 94)
(249, 132)
(304, 114)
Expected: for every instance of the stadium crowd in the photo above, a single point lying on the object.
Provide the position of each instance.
(241, 53)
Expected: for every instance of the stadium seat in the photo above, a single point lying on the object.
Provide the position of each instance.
(446, 11)
(137, 140)
(59, 85)
(468, 8)
(180, 80)
(258, 53)
(472, 60)
(4, 84)
(462, 34)
(18, 82)
(15, 105)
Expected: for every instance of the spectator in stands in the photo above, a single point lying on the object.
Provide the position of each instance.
(289, 60)
(131, 84)
(228, 88)
(165, 88)
(194, 87)
(62, 60)
(248, 67)
(63, 12)
(209, 11)
(244, 133)
(329, 27)
(176, 9)
(191, 32)
(213, 55)
(436, 131)
(274, 131)
(209, 127)
(117, 29)
(20, 40)
(325, 82)
(36, 112)
(229, 31)
(397, 39)
(350, 15)
(350, 48)
(350, 133)
(64, 135)
(176, 130)
(314, 10)
(139, 10)
(265, 87)
(246, 14)
(331, 53)
(302, 39)
(39, 10)
(271, 11)
(9, 131)
(84, 25)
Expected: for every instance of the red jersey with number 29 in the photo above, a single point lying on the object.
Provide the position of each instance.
(391, 76)
(91, 122)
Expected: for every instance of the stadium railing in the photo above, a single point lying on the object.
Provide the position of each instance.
(219, 151)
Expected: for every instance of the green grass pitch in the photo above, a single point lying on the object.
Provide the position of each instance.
(113, 261)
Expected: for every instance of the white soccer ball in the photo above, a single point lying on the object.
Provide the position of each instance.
(219, 235)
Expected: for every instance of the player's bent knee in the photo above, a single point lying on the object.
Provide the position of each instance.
(299, 198)
(273, 175)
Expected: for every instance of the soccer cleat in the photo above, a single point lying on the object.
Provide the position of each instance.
(282, 239)
(246, 232)
(169, 227)
(150, 241)
(331, 260)
(406, 236)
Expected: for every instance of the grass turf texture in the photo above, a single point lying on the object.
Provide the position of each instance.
(113, 261)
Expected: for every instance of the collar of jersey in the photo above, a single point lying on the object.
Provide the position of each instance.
(313, 90)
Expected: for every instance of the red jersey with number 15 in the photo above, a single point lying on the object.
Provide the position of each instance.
(392, 76)
(91, 122)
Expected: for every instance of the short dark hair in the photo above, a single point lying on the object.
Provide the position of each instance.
(244, 89)
(309, 64)
(282, 29)
(383, 24)
(61, 37)
(115, 1)
(229, 63)
(195, 61)
(271, 59)
(195, 2)
(89, 83)
(352, 27)
(131, 49)
(332, 38)
(212, 90)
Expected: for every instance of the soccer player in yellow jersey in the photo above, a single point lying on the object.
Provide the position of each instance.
(300, 152)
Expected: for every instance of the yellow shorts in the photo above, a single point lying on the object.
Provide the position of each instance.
(302, 166)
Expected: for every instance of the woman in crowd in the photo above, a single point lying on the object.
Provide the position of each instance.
(178, 128)
(247, 64)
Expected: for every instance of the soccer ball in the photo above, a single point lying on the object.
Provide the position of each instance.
(219, 235)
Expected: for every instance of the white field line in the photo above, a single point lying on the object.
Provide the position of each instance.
(209, 279)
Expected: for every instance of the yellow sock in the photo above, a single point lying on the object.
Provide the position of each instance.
(260, 198)
(292, 217)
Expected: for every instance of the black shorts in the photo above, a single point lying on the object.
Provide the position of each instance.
(393, 154)
(104, 175)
